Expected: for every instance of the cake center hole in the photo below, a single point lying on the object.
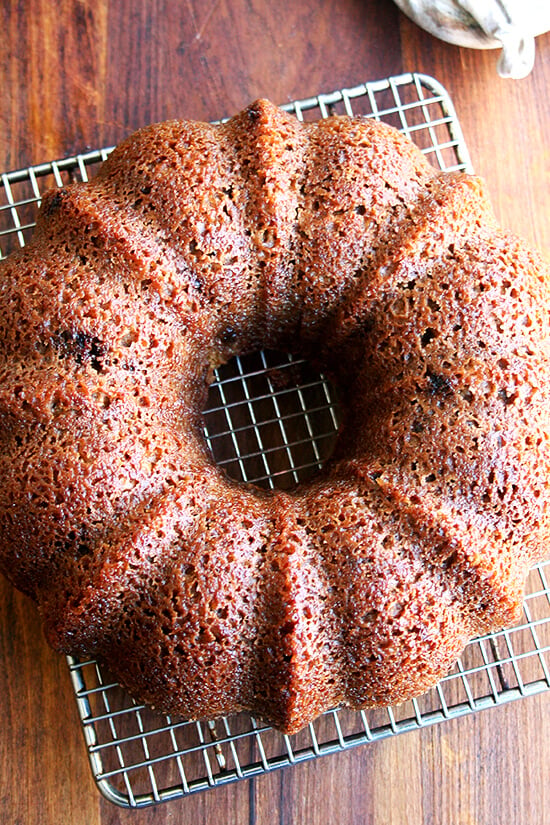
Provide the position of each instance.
(271, 419)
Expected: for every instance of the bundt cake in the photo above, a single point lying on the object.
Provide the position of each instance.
(335, 241)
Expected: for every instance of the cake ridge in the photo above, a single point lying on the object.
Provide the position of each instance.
(302, 673)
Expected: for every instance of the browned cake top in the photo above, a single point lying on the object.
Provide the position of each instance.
(336, 241)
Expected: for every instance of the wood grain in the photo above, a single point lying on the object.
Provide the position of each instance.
(78, 74)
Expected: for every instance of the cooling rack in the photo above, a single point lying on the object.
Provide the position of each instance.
(271, 420)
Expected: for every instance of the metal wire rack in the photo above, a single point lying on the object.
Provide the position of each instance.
(271, 420)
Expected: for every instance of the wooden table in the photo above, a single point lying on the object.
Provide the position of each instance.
(79, 74)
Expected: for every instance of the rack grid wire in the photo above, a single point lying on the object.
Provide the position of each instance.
(271, 420)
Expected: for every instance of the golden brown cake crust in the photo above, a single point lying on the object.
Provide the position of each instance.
(336, 241)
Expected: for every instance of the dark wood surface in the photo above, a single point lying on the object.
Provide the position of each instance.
(84, 74)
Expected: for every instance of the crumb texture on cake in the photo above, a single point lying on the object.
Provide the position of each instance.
(335, 241)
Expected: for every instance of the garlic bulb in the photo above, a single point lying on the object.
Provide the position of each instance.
(486, 24)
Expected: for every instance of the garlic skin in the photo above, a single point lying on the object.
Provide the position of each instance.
(486, 24)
